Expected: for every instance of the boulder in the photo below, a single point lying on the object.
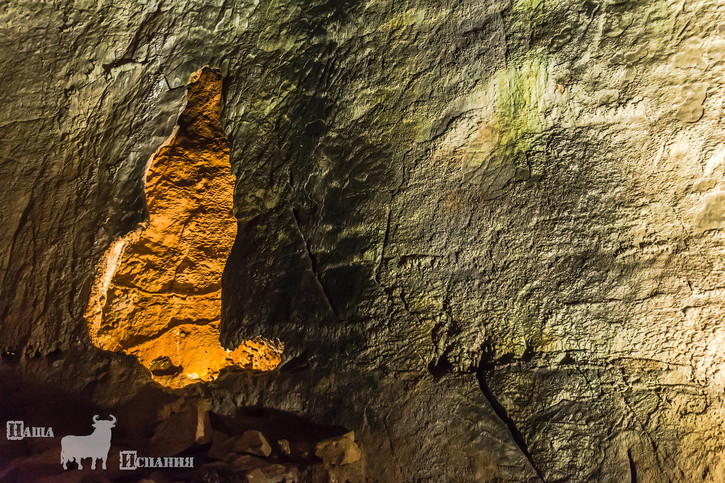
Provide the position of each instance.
(251, 442)
(183, 429)
(338, 451)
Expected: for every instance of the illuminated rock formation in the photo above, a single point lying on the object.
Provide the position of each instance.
(158, 295)
(490, 233)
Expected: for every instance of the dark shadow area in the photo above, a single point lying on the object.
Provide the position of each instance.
(275, 425)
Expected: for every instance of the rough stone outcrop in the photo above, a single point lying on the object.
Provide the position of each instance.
(157, 293)
(338, 451)
(487, 232)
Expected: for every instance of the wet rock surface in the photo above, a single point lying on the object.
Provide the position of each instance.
(489, 233)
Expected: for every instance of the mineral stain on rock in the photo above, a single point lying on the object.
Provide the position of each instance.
(158, 296)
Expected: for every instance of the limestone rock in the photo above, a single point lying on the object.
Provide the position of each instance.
(460, 235)
(339, 451)
(252, 442)
(158, 292)
(219, 445)
(712, 214)
(188, 427)
(691, 109)
(162, 366)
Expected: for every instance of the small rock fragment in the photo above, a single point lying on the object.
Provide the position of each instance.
(339, 451)
(251, 442)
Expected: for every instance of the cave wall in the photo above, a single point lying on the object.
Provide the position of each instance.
(78, 126)
(488, 233)
(157, 293)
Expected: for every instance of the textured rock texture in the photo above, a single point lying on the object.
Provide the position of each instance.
(152, 421)
(157, 294)
(488, 233)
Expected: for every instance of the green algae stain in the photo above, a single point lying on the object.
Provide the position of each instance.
(527, 5)
(519, 91)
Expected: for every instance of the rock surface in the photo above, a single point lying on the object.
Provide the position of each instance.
(157, 294)
(339, 451)
(252, 442)
(180, 424)
(187, 427)
(494, 225)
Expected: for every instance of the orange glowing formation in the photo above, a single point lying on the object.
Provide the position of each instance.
(157, 295)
